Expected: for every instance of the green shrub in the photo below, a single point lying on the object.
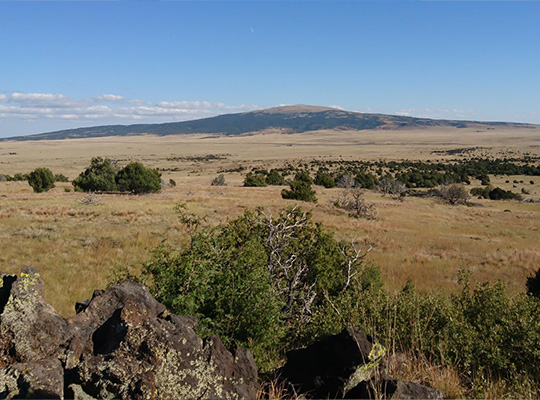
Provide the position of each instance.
(60, 178)
(98, 177)
(254, 280)
(299, 190)
(481, 192)
(274, 178)
(172, 182)
(41, 179)
(254, 180)
(324, 179)
(501, 194)
(138, 179)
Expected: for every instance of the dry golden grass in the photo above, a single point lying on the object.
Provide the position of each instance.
(77, 246)
(415, 368)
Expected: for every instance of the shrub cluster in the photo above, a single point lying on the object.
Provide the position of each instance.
(103, 175)
(489, 192)
(263, 177)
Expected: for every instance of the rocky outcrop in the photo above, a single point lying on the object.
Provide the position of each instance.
(121, 344)
(346, 366)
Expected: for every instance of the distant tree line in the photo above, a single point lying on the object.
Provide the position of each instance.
(396, 178)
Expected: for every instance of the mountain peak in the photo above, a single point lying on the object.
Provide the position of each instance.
(297, 108)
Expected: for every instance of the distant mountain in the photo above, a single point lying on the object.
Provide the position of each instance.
(288, 119)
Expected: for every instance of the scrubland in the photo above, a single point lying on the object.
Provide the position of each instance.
(78, 246)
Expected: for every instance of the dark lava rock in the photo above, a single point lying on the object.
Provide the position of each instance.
(42, 379)
(322, 369)
(121, 344)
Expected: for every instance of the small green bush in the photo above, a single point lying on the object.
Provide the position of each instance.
(501, 194)
(254, 180)
(274, 178)
(481, 192)
(324, 179)
(299, 190)
(41, 179)
(60, 178)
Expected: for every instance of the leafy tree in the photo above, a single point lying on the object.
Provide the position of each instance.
(41, 179)
(98, 177)
(254, 180)
(138, 179)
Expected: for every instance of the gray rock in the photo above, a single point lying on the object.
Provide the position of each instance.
(30, 328)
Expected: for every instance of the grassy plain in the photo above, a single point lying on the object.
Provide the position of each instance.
(77, 246)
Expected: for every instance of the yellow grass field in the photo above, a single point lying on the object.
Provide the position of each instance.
(77, 246)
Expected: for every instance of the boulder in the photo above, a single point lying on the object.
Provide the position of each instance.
(122, 343)
(30, 328)
(326, 369)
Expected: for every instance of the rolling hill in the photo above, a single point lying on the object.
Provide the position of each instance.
(288, 119)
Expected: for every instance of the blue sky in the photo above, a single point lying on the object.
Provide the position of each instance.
(73, 64)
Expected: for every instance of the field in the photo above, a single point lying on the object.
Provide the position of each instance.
(78, 246)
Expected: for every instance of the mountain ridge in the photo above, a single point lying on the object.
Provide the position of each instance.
(289, 119)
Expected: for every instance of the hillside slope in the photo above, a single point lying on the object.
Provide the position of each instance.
(289, 119)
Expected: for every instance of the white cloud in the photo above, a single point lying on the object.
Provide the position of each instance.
(109, 98)
(107, 108)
